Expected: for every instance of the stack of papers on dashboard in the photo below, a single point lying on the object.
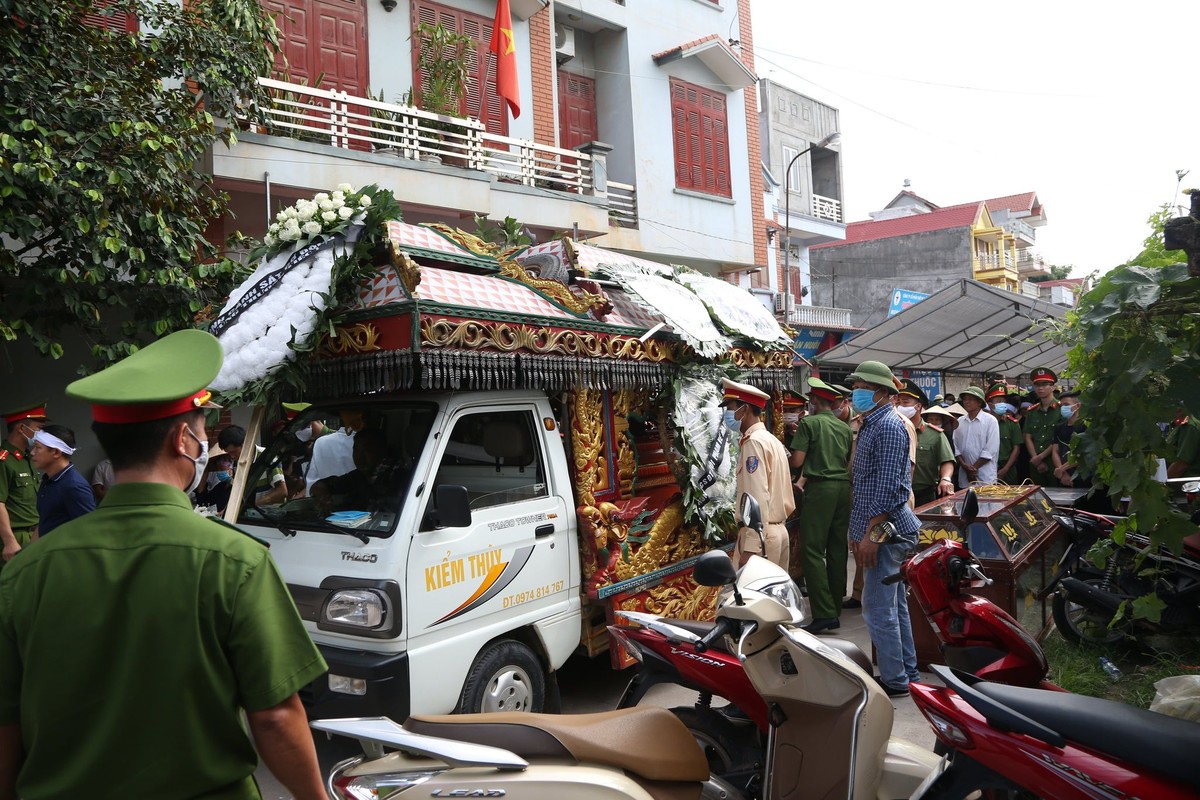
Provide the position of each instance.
(349, 519)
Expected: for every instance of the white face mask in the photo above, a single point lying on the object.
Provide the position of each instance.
(304, 434)
(199, 462)
(908, 412)
(791, 419)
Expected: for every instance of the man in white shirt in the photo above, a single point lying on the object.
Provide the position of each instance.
(333, 453)
(976, 440)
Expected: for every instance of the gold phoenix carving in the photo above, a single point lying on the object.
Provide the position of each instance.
(508, 338)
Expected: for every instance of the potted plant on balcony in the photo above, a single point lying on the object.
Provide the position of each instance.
(387, 136)
(442, 75)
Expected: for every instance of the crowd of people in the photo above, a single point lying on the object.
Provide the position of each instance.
(861, 457)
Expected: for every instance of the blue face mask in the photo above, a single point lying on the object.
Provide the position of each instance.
(1003, 408)
(222, 476)
(1067, 411)
(863, 400)
(731, 421)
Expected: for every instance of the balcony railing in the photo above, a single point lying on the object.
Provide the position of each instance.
(622, 205)
(1022, 229)
(819, 317)
(826, 208)
(361, 123)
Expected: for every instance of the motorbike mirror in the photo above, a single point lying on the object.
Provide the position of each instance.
(1191, 487)
(714, 568)
(970, 507)
(749, 511)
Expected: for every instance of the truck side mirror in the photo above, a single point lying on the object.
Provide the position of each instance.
(451, 507)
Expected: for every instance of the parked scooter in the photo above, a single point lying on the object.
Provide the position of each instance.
(829, 724)
(977, 636)
(1052, 744)
(1088, 597)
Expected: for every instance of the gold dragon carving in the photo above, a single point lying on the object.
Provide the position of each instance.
(408, 270)
(682, 599)
(557, 291)
(467, 241)
(360, 338)
(508, 337)
(777, 416)
(624, 403)
(757, 359)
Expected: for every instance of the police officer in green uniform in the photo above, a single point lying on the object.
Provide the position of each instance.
(133, 639)
(18, 484)
(1040, 422)
(933, 470)
(1012, 438)
(821, 450)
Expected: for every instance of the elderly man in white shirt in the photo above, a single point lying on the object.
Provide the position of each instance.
(976, 440)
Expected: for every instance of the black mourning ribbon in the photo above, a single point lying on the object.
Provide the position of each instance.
(719, 446)
(265, 285)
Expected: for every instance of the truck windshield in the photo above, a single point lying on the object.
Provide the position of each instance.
(338, 469)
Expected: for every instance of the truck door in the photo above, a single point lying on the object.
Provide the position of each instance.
(509, 566)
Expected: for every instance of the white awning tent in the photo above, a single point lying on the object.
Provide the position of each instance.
(966, 327)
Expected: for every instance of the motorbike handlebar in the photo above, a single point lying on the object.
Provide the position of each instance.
(890, 579)
(722, 627)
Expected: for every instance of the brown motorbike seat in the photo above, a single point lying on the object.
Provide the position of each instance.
(648, 741)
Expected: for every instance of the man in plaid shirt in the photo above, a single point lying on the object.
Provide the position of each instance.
(882, 480)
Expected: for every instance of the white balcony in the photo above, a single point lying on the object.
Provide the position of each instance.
(819, 317)
(826, 208)
(409, 134)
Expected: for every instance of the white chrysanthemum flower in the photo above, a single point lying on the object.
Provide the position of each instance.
(289, 235)
(320, 197)
(364, 201)
(345, 187)
(326, 205)
(308, 211)
(338, 195)
(337, 203)
(345, 212)
(292, 225)
(329, 216)
(312, 227)
(290, 212)
(282, 216)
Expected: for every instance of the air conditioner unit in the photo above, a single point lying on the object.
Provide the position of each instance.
(784, 302)
(564, 43)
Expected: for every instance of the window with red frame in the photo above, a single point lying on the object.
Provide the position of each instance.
(115, 21)
(488, 108)
(701, 131)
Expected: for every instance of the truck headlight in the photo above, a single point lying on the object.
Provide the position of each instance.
(361, 608)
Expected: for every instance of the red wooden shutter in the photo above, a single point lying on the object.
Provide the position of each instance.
(701, 132)
(576, 110)
(323, 39)
(488, 109)
(117, 21)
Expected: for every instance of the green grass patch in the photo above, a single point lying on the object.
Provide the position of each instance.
(1077, 668)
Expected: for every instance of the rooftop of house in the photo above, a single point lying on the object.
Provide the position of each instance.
(962, 216)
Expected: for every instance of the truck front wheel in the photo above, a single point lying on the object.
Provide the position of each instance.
(506, 676)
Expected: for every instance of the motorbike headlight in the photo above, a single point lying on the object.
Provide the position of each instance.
(360, 608)
(785, 592)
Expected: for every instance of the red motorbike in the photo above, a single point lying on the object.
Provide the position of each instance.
(1052, 744)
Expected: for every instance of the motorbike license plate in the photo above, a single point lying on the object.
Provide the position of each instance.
(932, 777)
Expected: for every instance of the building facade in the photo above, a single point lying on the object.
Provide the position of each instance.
(913, 248)
(638, 128)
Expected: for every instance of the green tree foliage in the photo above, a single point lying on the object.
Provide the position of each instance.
(1057, 273)
(1136, 353)
(1154, 253)
(104, 199)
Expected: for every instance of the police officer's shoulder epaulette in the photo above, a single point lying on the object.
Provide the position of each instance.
(242, 531)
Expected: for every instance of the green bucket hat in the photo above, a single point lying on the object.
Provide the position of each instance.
(975, 392)
(877, 373)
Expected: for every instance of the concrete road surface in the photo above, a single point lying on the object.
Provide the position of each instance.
(589, 685)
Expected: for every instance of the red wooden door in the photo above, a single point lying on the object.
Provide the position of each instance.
(323, 39)
(488, 108)
(576, 110)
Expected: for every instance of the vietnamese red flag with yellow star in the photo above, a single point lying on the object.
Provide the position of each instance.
(506, 58)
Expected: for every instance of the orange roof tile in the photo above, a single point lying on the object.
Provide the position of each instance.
(685, 46)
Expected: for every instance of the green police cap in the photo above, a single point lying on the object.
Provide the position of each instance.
(163, 379)
(292, 409)
(34, 411)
